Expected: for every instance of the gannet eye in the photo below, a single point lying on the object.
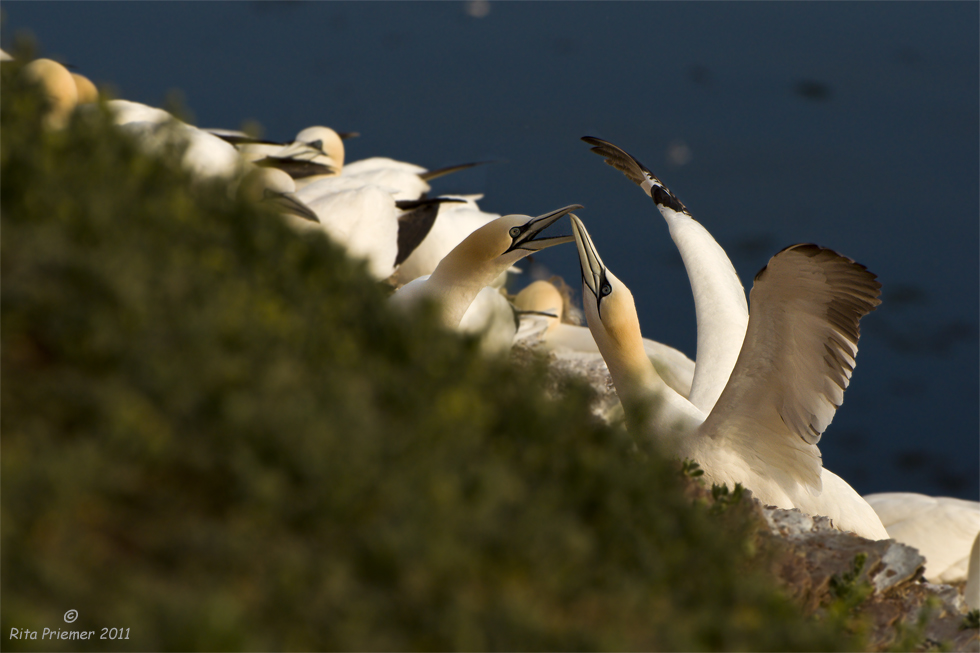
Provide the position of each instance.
(515, 232)
(605, 289)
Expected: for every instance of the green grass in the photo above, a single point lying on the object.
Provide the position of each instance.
(216, 434)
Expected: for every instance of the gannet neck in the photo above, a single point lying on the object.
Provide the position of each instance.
(719, 304)
(484, 255)
(455, 283)
(648, 402)
(719, 299)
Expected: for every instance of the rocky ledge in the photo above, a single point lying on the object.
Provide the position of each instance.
(818, 565)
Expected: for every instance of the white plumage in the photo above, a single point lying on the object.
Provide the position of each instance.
(478, 260)
(789, 378)
(943, 529)
(719, 298)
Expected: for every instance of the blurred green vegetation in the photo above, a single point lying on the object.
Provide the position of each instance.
(216, 435)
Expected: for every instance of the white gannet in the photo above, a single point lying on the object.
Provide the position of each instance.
(316, 153)
(274, 188)
(205, 155)
(942, 528)
(58, 87)
(789, 379)
(362, 219)
(719, 298)
(87, 93)
(542, 326)
(454, 222)
(478, 260)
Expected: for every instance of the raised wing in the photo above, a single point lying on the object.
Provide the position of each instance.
(797, 358)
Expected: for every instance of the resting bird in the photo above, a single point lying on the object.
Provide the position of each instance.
(62, 89)
(274, 188)
(719, 299)
(316, 153)
(542, 327)
(479, 259)
(205, 155)
(942, 528)
(454, 222)
(787, 383)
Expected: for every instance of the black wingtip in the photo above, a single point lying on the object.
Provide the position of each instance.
(448, 170)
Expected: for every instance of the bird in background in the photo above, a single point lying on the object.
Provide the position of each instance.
(478, 260)
(63, 89)
(542, 310)
(943, 529)
(788, 381)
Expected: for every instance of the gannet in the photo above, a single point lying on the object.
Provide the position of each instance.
(789, 379)
(942, 528)
(274, 188)
(542, 327)
(87, 93)
(719, 298)
(364, 220)
(316, 153)
(205, 155)
(58, 87)
(454, 222)
(479, 259)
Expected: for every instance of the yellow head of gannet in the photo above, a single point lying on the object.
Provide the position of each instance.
(326, 141)
(611, 314)
(58, 87)
(480, 258)
(87, 93)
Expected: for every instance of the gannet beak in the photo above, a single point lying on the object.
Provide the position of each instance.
(593, 271)
(524, 235)
(292, 205)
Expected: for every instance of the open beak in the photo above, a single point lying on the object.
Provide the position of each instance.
(524, 236)
(593, 271)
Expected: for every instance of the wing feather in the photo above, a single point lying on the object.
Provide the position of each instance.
(798, 356)
(636, 172)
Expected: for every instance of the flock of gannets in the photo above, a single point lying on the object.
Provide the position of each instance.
(767, 382)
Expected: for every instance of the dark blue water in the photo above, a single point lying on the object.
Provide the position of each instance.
(854, 126)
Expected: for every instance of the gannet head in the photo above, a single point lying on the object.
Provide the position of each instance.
(500, 243)
(326, 140)
(486, 253)
(544, 299)
(609, 306)
(276, 189)
(58, 87)
(87, 93)
(611, 314)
